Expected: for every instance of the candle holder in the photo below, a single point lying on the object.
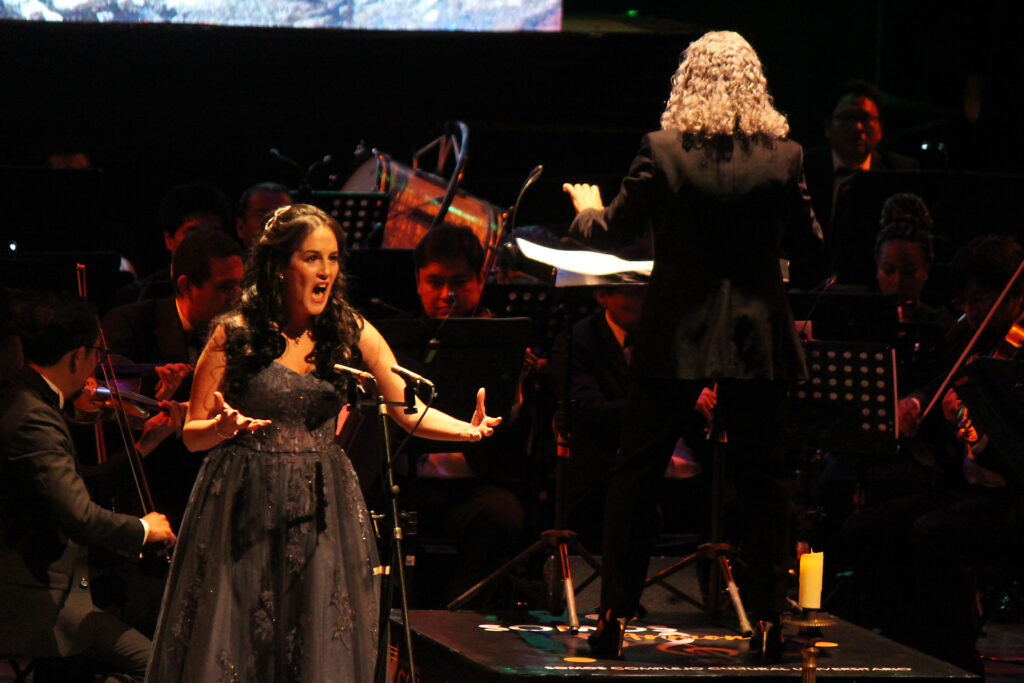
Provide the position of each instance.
(810, 622)
(809, 664)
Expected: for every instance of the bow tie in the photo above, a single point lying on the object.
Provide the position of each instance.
(844, 170)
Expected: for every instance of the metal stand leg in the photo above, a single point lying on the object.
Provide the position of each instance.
(555, 540)
(716, 552)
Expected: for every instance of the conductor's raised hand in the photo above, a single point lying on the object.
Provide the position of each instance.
(228, 421)
(481, 426)
(584, 196)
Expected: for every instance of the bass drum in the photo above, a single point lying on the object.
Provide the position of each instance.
(414, 197)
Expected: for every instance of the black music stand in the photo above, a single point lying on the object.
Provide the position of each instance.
(460, 355)
(546, 306)
(848, 403)
(846, 315)
(362, 215)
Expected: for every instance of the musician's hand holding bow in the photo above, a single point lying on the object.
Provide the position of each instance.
(908, 415)
(159, 529)
(955, 412)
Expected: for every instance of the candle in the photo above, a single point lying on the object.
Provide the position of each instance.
(811, 570)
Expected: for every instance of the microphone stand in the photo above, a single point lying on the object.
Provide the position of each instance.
(360, 398)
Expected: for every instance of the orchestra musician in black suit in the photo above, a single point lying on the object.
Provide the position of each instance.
(48, 521)
(853, 128)
(170, 332)
(721, 188)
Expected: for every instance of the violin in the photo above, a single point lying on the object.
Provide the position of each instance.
(1011, 341)
(98, 403)
(1006, 349)
(120, 414)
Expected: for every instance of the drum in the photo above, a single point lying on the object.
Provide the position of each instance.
(414, 197)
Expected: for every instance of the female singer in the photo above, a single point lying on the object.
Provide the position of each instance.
(723, 192)
(273, 577)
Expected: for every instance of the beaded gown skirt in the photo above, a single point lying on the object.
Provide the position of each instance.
(272, 577)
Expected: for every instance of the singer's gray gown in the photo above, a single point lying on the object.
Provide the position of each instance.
(272, 577)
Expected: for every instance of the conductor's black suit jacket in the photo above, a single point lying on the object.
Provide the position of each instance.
(721, 215)
(47, 522)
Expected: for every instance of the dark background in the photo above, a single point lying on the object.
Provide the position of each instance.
(155, 105)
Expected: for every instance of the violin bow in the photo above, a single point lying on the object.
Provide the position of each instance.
(970, 344)
(134, 459)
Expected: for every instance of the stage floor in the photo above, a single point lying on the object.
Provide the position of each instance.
(533, 646)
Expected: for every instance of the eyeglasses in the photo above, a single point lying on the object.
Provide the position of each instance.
(457, 282)
(855, 119)
(102, 353)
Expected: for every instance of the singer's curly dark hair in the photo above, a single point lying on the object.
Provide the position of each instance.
(254, 331)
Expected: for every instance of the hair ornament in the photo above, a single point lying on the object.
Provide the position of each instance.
(272, 221)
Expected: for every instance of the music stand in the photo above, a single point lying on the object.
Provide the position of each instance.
(544, 305)
(362, 215)
(846, 315)
(460, 355)
(849, 401)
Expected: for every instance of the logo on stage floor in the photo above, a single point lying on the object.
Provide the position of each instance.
(634, 634)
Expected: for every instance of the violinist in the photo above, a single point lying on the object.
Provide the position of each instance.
(929, 539)
(207, 272)
(48, 521)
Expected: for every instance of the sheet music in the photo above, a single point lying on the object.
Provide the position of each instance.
(578, 267)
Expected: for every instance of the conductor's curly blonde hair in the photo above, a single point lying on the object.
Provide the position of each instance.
(720, 89)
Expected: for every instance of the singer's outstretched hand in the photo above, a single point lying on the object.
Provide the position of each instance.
(481, 425)
(228, 421)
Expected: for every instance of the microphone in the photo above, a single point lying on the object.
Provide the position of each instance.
(410, 376)
(353, 372)
(380, 303)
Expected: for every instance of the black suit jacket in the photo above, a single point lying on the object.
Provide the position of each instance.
(720, 216)
(821, 177)
(47, 523)
(150, 331)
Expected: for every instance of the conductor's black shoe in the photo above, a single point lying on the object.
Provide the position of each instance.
(606, 641)
(766, 641)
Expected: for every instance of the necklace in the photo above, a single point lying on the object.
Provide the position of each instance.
(296, 339)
